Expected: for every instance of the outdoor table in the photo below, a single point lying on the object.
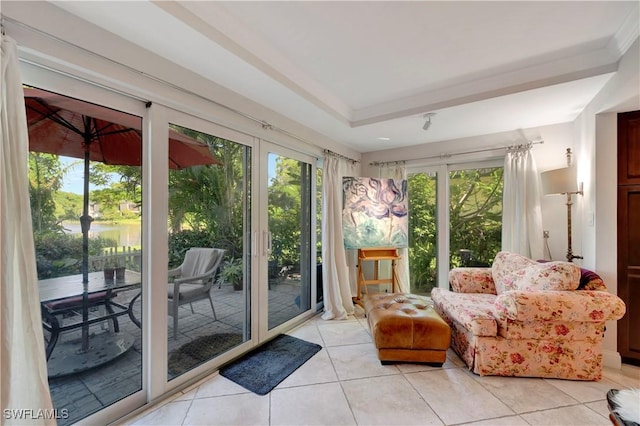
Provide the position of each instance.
(61, 294)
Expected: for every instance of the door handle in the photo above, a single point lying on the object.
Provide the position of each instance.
(265, 243)
(254, 244)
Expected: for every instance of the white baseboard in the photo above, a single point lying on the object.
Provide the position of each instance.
(611, 359)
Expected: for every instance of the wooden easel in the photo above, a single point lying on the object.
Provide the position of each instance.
(375, 255)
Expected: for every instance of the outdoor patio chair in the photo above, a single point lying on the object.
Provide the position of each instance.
(192, 280)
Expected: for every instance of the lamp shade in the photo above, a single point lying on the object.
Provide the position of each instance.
(559, 181)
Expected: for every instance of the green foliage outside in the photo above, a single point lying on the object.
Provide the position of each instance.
(68, 206)
(231, 272)
(288, 189)
(285, 198)
(45, 179)
(475, 216)
(59, 254)
(422, 232)
(206, 203)
(206, 209)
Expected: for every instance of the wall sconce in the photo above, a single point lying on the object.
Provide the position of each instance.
(563, 181)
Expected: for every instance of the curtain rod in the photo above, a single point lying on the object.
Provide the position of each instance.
(344, 157)
(448, 155)
(265, 125)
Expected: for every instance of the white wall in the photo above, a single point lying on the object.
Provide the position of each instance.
(595, 133)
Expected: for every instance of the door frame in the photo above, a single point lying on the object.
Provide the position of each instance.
(42, 78)
(260, 233)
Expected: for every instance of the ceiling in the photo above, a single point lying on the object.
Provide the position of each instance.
(366, 73)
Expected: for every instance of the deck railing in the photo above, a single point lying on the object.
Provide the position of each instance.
(128, 257)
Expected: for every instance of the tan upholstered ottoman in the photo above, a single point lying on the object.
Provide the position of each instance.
(405, 328)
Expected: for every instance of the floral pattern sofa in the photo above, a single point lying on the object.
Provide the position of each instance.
(526, 318)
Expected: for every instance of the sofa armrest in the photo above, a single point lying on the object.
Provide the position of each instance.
(576, 306)
(472, 280)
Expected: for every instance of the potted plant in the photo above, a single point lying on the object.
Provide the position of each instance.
(232, 272)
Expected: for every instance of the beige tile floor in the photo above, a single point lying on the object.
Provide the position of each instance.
(345, 384)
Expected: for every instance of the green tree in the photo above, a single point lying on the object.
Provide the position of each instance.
(109, 201)
(422, 232)
(129, 179)
(475, 218)
(45, 178)
(475, 213)
(285, 213)
(68, 205)
(210, 199)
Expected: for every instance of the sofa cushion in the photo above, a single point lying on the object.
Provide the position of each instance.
(544, 276)
(474, 311)
(503, 265)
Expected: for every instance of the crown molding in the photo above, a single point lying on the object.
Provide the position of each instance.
(224, 29)
(581, 66)
(628, 32)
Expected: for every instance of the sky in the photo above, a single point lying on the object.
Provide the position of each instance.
(73, 179)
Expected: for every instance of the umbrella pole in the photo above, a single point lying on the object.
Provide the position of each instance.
(85, 223)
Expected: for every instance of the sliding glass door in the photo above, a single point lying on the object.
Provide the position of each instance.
(214, 230)
(85, 172)
(288, 289)
(209, 254)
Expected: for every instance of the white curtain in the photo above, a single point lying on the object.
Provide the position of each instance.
(399, 172)
(337, 297)
(23, 366)
(521, 213)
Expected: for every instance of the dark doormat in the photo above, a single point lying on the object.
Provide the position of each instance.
(202, 349)
(265, 367)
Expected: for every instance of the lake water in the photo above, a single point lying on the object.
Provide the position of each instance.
(129, 234)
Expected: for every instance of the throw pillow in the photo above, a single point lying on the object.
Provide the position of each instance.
(561, 276)
(503, 265)
(589, 280)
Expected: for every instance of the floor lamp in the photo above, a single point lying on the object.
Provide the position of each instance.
(563, 181)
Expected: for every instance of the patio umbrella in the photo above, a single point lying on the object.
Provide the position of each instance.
(69, 127)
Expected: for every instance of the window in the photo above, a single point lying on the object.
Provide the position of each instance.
(475, 215)
(455, 219)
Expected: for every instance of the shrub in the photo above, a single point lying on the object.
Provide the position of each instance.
(181, 241)
(59, 254)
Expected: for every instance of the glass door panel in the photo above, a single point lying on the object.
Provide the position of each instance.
(423, 232)
(209, 256)
(86, 202)
(289, 238)
(475, 216)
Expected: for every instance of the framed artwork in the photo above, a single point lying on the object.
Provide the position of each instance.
(374, 212)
